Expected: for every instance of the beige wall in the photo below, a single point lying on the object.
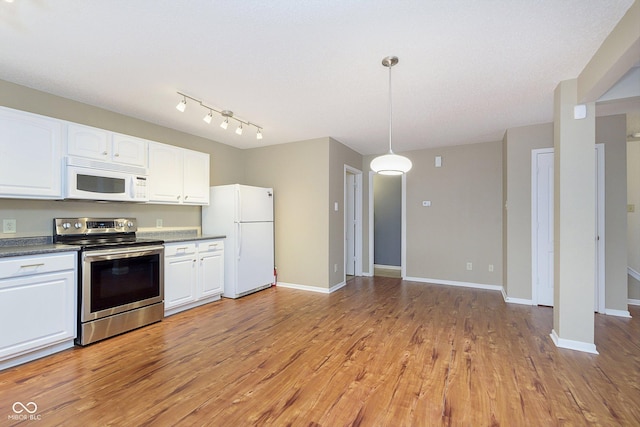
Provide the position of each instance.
(518, 145)
(464, 222)
(339, 156)
(298, 173)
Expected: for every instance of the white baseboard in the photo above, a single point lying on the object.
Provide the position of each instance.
(454, 283)
(573, 345)
(631, 272)
(512, 300)
(312, 288)
(631, 301)
(387, 267)
(367, 274)
(619, 313)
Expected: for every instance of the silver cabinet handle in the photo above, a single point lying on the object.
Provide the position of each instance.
(32, 265)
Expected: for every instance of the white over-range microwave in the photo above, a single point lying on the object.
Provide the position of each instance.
(88, 179)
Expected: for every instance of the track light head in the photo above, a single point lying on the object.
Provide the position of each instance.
(225, 123)
(259, 134)
(239, 130)
(208, 117)
(182, 105)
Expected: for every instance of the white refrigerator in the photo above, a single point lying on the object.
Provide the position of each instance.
(244, 214)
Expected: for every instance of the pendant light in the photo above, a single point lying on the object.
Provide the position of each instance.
(390, 163)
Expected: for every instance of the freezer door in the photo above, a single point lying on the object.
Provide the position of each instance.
(255, 256)
(255, 204)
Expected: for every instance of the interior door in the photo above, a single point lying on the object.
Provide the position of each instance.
(544, 227)
(350, 224)
(255, 255)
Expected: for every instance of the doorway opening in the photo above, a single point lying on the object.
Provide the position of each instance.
(387, 225)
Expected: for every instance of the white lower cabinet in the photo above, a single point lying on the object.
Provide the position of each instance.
(193, 274)
(38, 300)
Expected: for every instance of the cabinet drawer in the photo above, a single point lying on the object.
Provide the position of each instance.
(38, 264)
(179, 249)
(210, 246)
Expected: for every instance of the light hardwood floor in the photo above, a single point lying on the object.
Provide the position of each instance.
(379, 352)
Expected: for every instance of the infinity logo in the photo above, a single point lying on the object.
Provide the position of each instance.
(22, 407)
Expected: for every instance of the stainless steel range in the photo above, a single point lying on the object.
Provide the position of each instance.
(121, 277)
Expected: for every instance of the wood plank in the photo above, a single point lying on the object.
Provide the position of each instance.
(378, 352)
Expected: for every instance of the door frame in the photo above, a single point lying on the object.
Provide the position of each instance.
(600, 295)
(358, 219)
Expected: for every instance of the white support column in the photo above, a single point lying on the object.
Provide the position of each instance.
(574, 217)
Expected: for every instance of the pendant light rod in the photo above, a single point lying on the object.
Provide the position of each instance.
(389, 62)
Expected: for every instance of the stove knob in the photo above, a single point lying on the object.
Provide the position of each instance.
(78, 225)
(66, 225)
(130, 224)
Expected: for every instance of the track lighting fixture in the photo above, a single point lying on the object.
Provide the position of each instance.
(228, 115)
(182, 105)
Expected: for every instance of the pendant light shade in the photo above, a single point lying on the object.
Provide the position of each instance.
(390, 163)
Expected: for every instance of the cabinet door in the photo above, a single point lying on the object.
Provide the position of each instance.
(30, 155)
(179, 281)
(211, 272)
(196, 177)
(36, 311)
(86, 141)
(165, 173)
(129, 150)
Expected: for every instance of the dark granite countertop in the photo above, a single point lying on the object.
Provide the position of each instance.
(44, 245)
(32, 246)
(171, 236)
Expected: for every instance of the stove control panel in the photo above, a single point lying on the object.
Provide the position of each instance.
(71, 226)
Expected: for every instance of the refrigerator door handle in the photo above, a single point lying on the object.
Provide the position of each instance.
(239, 205)
(239, 234)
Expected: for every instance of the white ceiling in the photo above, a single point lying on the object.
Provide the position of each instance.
(468, 69)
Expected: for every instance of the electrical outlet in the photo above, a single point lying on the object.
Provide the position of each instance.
(158, 223)
(490, 267)
(469, 266)
(335, 268)
(8, 226)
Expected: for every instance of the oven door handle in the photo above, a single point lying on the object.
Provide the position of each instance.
(109, 254)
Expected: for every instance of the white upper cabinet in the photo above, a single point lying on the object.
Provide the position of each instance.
(178, 175)
(30, 155)
(196, 177)
(165, 173)
(100, 144)
(130, 150)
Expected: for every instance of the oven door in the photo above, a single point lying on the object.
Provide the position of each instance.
(118, 280)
